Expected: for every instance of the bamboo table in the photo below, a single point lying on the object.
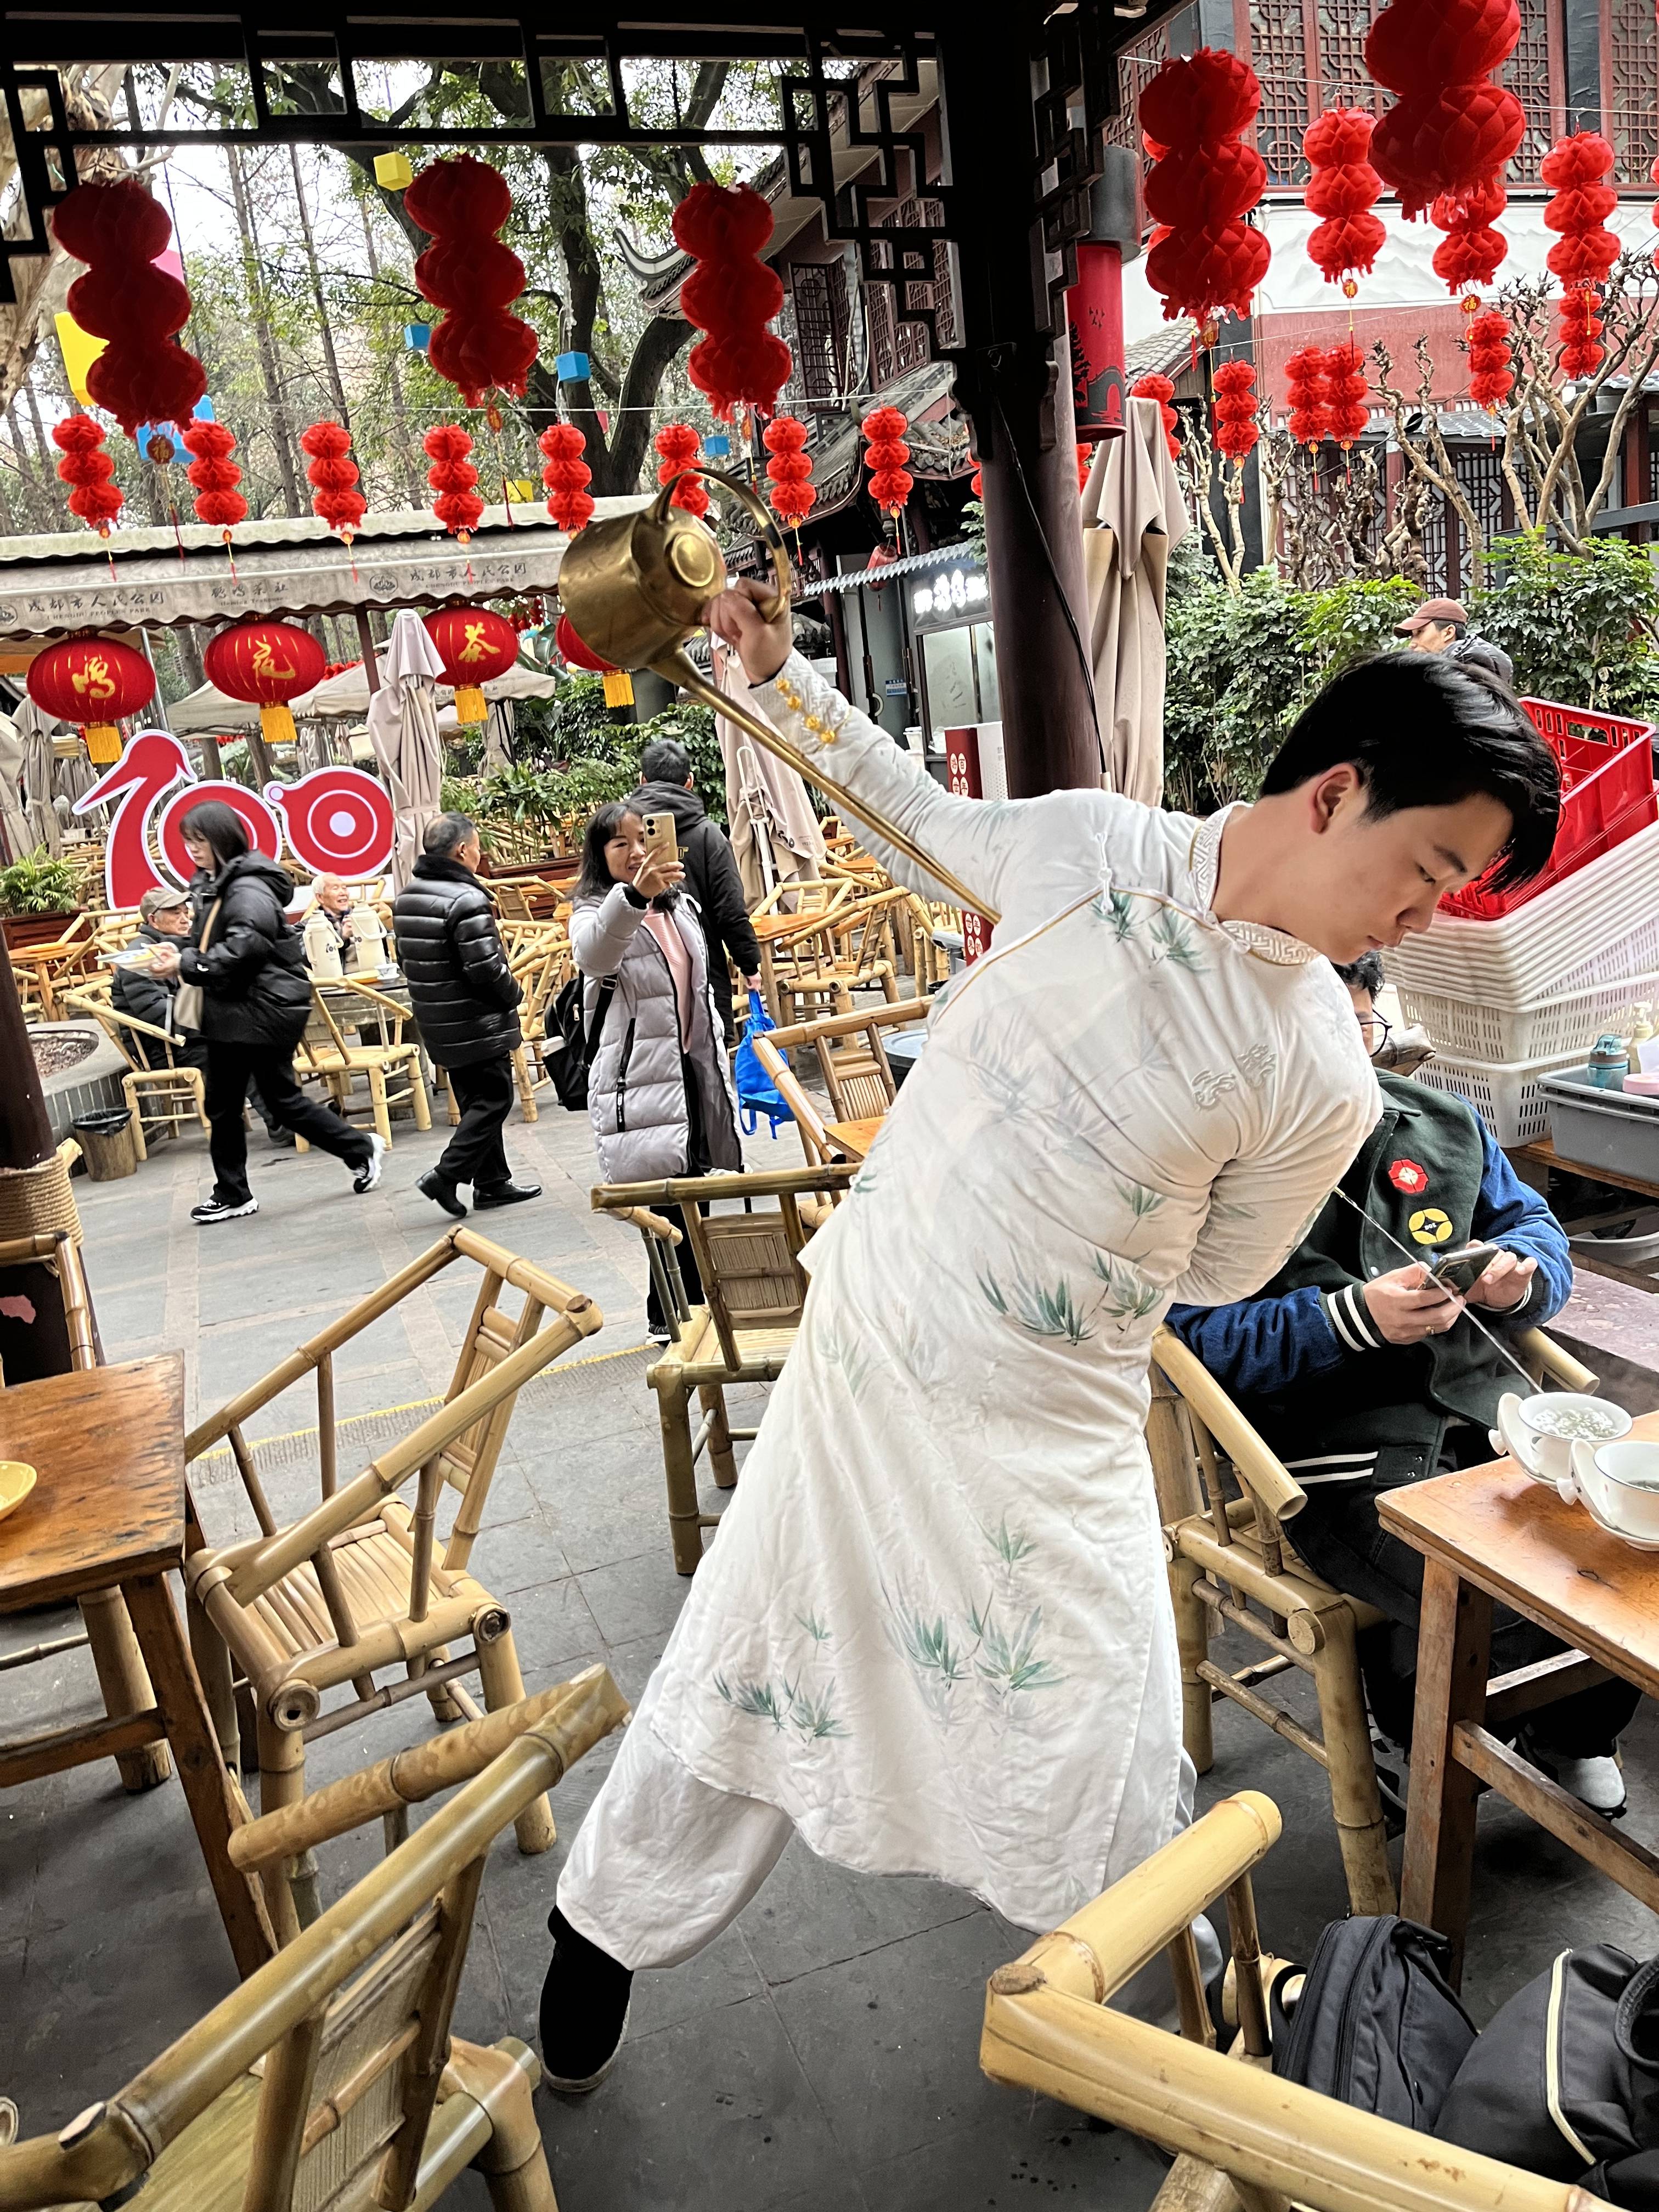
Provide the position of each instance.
(855, 1138)
(108, 1511)
(768, 929)
(1491, 1532)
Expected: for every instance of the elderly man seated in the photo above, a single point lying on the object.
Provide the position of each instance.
(1361, 1373)
(330, 897)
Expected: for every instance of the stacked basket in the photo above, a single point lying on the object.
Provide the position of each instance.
(1511, 987)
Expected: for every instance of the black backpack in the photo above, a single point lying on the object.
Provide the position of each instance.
(569, 1050)
(1377, 2024)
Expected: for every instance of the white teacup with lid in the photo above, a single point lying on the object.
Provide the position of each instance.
(1539, 1433)
(1619, 1483)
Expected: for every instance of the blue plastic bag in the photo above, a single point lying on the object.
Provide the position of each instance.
(756, 1093)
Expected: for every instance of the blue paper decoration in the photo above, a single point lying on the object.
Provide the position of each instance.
(717, 446)
(572, 369)
(417, 336)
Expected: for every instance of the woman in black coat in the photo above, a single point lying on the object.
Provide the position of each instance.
(256, 998)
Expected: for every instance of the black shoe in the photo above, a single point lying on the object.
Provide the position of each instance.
(366, 1176)
(584, 2002)
(278, 1135)
(441, 1192)
(223, 1209)
(504, 1193)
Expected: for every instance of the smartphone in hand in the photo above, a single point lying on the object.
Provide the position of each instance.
(1461, 1270)
(661, 841)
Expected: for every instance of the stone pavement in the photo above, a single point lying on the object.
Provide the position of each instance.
(823, 2052)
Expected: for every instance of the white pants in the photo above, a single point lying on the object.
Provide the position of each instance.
(663, 1862)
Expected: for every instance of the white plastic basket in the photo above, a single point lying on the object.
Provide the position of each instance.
(1570, 1023)
(1505, 1095)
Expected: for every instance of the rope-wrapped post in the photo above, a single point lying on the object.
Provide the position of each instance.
(36, 1200)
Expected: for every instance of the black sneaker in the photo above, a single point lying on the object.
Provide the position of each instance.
(585, 2003)
(369, 1173)
(504, 1193)
(280, 1136)
(432, 1186)
(223, 1209)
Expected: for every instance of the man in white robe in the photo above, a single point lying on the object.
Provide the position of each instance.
(934, 1633)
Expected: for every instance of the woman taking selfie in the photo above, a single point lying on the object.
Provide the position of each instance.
(249, 968)
(658, 1089)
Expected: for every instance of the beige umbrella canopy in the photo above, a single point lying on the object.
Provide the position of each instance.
(774, 832)
(17, 838)
(1134, 513)
(39, 762)
(403, 727)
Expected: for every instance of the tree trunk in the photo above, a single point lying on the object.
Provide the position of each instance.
(405, 440)
(330, 359)
(281, 434)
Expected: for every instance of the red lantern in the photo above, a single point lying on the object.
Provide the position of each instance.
(452, 476)
(1344, 389)
(677, 446)
(1160, 388)
(468, 272)
(1236, 427)
(976, 482)
(618, 684)
(1470, 255)
(565, 476)
(475, 644)
(1580, 332)
(1451, 128)
(884, 456)
(94, 682)
(268, 663)
(731, 296)
(789, 472)
(1343, 190)
(143, 375)
(215, 476)
(333, 477)
(89, 470)
(1308, 397)
(1490, 377)
(1585, 250)
(1204, 181)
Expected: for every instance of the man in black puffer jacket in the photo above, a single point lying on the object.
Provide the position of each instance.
(712, 874)
(465, 997)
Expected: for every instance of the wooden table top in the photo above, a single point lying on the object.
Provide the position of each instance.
(1543, 1154)
(768, 925)
(108, 1445)
(855, 1138)
(1518, 1539)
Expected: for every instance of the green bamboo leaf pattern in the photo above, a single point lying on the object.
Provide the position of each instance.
(1141, 1201)
(929, 1648)
(1010, 1544)
(759, 1700)
(1116, 909)
(815, 1628)
(1009, 1663)
(1129, 1295)
(1046, 1310)
(1173, 938)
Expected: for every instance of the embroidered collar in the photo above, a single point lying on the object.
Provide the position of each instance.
(1204, 864)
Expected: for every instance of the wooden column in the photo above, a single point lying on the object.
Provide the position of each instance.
(34, 1339)
(1012, 382)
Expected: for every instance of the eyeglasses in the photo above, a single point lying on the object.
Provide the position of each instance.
(1376, 1032)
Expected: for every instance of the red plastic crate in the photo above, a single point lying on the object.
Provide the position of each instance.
(1608, 795)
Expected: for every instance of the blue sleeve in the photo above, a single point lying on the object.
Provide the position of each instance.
(1509, 1213)
(1260, 1347)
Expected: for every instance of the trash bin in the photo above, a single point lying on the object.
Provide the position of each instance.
(107, 1146)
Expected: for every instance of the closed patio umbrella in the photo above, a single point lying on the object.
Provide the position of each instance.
(15, 835)
(35, 729)
(1134, 514)
(403, 727)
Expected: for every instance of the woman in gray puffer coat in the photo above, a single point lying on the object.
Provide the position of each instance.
(659, 1092)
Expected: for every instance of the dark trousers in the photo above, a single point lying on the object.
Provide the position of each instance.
(475, 1154)
(696, 1163)
(190, 1051)
(230, 1069)
(1340, 1535)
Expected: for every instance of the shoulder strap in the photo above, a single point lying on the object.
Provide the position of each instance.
(206, 926)
(601, 1008)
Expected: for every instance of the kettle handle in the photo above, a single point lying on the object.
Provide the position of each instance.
(760, 514)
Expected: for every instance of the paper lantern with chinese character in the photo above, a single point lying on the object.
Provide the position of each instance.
(1237, 430)
(467, 271)
(677, 446)
(452, 476)
(1308, 397)
(333, 477)
(1490, 377)
(1451, 128)
(618, 684)
(1345, 393)
(884, 456)
(1342, 190)
(474, 645)
(1153, 386)
(788, 471)
(566, 477)
(143, 375)
(1203, 183)
(89, 470)
(268, 663)
(214, 477)
(731, 295)
(94, 682)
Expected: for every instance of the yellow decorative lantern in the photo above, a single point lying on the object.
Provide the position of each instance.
(618, 688)
(393, 172)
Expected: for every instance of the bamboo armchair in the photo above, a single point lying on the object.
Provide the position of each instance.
(391, 1069)
(851, 1055)
(855, 951)
(162, 1091)
(115, 928)
(53, 963)
(331, 2081)
(1232, 1562)
(754, 1289)
(1240, 2137)
(360, 1584)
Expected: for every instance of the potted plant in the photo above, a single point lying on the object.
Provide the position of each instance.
(38, 898)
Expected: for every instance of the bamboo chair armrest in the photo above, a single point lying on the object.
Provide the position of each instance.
(1261, 1472)
(1536, 1349)
(834, 1025)
(692, 1190)
(653, 1224)
(354, 983)
(102, 1009)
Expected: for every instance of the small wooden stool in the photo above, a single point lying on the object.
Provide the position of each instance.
(107, 1513)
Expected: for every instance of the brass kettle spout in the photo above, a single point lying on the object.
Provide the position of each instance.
(637, 585)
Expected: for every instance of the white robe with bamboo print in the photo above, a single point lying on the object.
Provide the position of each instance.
(934, 1627)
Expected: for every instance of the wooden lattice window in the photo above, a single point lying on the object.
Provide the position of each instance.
(1534, 74)
(1343, 80)
(1630, 75)
(819, 293)
(895, 344)
(1284, 35)
(1480, 471)
(1440, 538)
(1136, 62)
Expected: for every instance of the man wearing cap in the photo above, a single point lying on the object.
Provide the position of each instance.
(163, 916)
(1442, 626)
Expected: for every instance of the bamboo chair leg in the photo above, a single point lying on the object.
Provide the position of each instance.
(247, 1727)
(684, 1519)
(527, 1105)
(503, 1684)
(418, 1100)
(1355, 1804)
(1192, 1635)
(124, 1681)
(442, 1700)
(130, 1092)
(211, 1657)
(198, 1091)
(712, 1398)
(451, 1106)
(282, 1781)
(377, 1099)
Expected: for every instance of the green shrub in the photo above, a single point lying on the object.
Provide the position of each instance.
(39, 884)
(1579, 627)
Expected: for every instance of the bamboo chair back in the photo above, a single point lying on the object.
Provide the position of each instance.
(852, 1057)
(115, 928)
(815, 1139)
(366, 2100)
(811, 896)
(1050, 2029)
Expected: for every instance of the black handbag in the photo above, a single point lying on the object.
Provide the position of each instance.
(1377, 2024)
(568, 1052)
